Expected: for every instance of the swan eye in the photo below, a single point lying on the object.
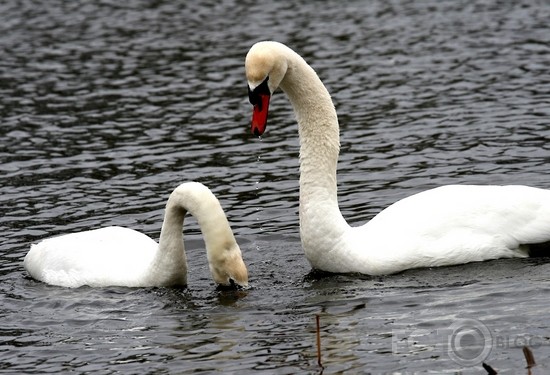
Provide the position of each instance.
(254, 96)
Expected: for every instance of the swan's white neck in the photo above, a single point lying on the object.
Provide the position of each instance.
(202, 204)
(319, 148)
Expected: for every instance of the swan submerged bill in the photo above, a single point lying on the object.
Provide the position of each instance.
(117, 256)
(448, 225)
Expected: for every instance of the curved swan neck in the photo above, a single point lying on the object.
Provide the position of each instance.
(198, 200)
(319, 137)
(317, 124)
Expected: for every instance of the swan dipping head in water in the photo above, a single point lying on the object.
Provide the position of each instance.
(116, 256)
(448, 225)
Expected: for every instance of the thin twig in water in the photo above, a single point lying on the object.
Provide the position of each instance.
(529, 357)
(489, 369)
(318, 342)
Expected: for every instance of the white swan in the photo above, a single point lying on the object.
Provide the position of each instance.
(443, 226)
(124, 257)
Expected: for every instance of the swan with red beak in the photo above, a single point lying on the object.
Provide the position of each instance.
(447, 225)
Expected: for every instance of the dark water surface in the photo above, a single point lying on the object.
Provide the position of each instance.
(106, 106)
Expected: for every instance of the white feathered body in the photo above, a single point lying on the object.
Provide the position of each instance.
(111, 255)
(448, 225)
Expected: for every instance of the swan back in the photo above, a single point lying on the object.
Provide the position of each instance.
(100, 257)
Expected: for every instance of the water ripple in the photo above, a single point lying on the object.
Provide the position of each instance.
(107, 106)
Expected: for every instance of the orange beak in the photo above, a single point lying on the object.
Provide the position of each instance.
(259, 98)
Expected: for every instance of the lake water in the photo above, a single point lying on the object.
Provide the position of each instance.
(106, 106)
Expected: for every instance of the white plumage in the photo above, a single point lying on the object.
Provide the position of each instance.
(448, 225)
(124, 257)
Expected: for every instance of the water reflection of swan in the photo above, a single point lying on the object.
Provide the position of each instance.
(125, 257)
(448, 225)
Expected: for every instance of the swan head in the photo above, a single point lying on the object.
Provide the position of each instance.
(265, 67)
(227, 266)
